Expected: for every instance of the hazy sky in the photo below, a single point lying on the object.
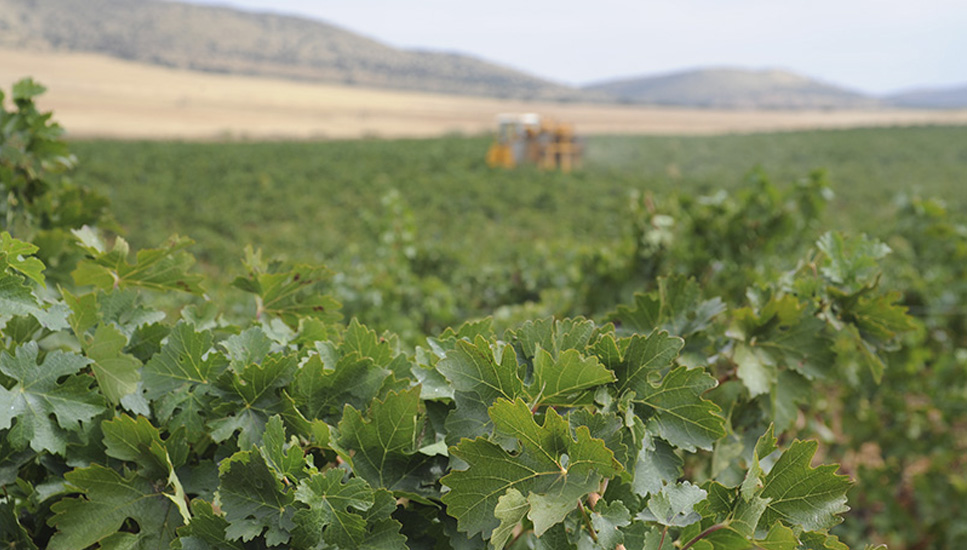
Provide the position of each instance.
(869, 45)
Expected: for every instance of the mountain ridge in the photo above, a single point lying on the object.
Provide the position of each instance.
(222, 39)
(227, 40)
(733, 87)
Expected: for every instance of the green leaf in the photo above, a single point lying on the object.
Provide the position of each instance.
(755, 369)
(247, 399)
(643, 360)
(851, 262)
(136, 440)
(674, 505)
(12, 533)
(382, 532)
(117, 373)
(37, 396)
(552, 468)
(386, 442)
(163, 269)
(16, 298)
(108, 500)
(330, 502)
(554, 335)
(823, 541)
(474, 367)
(254, 500)
(676, 307)
(656, 465)
(875, 322)
(18, 255)
(184, 360)
(25, 89)
(366, 343)
(789, 334)
(511, 509)
(287, 463)
(682, 417)
(765, 446)
(607, 520)
(801, 495)
(180, 379)
(565, 381)
(291, 294)
(205, 531)
(248, 347)
(779, 537)
(479, 375)
(321, 392)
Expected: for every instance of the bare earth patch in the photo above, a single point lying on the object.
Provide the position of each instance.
(97, 96)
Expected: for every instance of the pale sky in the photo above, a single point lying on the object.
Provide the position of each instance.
(875, 46)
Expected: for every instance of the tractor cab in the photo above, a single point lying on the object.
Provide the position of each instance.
(528, 139)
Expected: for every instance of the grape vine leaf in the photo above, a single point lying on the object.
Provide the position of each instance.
(851, 262)
(641, 359)
(16, 298)
(37, 396)
(247, 347)
(475, 368)
(18, 255)
(108, 500)
(511, 509)
(479, 375)
(162, 269)
(289, 294)
(874, 321)
(766, 445)
(682, 417)
(675, 307)
(180, 379)
(248, 398)
(656, 465)
(801, 495)
(287, 463)
(386, 443)
(788, 334)
(552, 468)
(254, 500)
(12, 532)
(117, 373)
(205, 531)
(320, 391)
(674, 505)
(607, 520)
(567, 380)
(382, 532)
(553, 335)
(330, 503)
(824, 541)
(366, 343)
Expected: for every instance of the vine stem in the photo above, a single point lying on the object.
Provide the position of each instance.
(662, 541)
(703, 534)
(587, 521)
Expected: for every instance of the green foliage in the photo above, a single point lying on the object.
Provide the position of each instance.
(722, 336)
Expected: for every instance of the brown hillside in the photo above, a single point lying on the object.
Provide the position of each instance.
(225, 40)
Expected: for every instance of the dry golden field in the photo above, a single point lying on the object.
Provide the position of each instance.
(98, 96)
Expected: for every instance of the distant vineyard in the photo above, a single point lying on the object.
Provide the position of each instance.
(689, 384)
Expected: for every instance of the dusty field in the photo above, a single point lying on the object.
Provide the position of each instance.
(94, 95)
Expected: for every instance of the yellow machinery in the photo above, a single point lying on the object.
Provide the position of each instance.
(529, 139)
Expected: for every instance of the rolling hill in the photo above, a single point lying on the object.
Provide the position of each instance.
(932, 98)
(230, 41)
(225, 40)
(734, 88)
